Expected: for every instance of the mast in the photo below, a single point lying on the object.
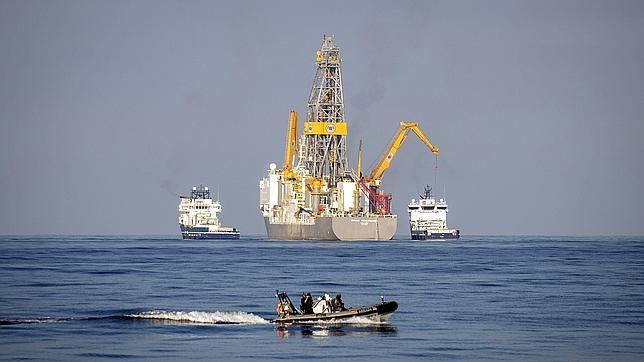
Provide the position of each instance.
(325, 131)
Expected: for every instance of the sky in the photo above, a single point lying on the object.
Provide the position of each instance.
(109, 110)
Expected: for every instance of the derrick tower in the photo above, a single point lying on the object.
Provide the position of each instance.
(325, 129)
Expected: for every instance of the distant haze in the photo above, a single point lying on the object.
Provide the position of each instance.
(111, 109)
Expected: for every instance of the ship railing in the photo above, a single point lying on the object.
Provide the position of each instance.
(387, 216)
(371, 214)
(280, 220)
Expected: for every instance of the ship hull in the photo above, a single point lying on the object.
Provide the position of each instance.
(343, 228)
(202, 233)
(433, 235)
(210, 236)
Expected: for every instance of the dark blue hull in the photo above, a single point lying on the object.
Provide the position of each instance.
(210, 236)
(425, 235)
(202, 233)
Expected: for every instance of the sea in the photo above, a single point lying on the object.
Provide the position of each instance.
(526, 298)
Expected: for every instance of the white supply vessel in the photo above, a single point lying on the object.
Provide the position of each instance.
(198, 217)
(428, 218)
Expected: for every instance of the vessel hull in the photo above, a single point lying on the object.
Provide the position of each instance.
(432, 235)
(210, 236)
(343, 228)
(201, 233)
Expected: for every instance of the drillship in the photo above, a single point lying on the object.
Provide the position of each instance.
(198, 217)
(428, 218)
(315, 195)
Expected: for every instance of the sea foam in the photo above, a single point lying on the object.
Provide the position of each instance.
(216, 317)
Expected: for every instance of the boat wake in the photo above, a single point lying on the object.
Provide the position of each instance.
(8, 322)
(195, 317)
(200, 317)
(158, 316)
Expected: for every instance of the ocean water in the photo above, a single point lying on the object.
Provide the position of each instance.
(495, 298)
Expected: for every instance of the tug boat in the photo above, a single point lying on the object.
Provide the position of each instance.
(323, 312)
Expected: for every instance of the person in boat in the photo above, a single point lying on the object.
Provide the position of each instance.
(303, 303)
(283, 309)
(322, 305)
(337, 303)
(327, 303)
(307, 304)
(278, 309)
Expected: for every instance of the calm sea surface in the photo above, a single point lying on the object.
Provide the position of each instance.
(496, 298)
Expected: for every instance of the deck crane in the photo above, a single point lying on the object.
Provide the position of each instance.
(378, 200)
(291, 141)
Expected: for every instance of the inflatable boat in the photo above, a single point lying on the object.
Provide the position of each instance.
(323, 312)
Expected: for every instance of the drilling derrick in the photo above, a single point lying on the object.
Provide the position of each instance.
(325, 130)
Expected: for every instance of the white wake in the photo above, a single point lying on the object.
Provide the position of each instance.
(201, 317)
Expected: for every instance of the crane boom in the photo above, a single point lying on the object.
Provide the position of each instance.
(359, 165)
(291, 140)
(396, 142)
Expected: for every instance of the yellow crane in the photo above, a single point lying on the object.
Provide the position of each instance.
(390, 152)
(379, 202)
(291, 141)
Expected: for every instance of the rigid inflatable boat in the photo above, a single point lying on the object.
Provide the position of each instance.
(323, 312)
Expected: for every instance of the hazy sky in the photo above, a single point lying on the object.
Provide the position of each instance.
(111, 109)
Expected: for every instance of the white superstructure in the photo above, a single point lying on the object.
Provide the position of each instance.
(198, 217)
(428, 218)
